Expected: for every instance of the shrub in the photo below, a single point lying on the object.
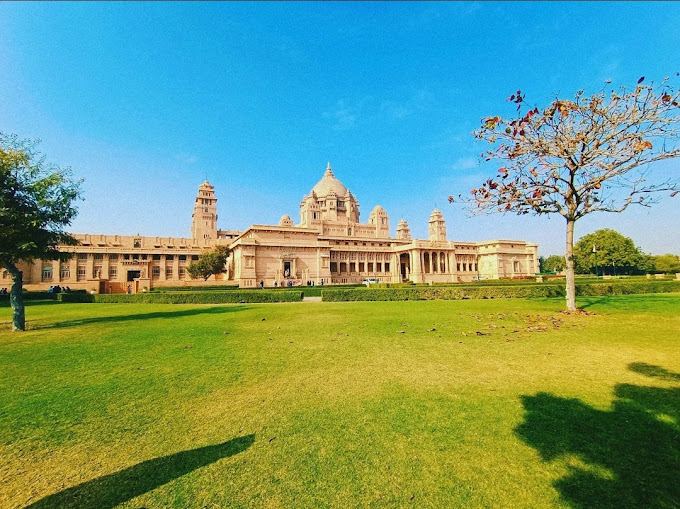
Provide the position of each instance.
(200, 297)
(496, 292)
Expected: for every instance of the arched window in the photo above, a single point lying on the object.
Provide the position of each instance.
(434, 263)
(442, 262)
(426, 263)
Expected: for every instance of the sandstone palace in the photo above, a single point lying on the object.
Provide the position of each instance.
(330, 245)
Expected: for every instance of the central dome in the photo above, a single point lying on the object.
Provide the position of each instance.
(329, 184)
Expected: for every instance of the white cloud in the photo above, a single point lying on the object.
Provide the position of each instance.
(465, 163)
(186, 158)
(343, 116)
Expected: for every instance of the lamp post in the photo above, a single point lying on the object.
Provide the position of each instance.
(597, 268)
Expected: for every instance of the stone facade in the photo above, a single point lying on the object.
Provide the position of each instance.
(329, 246)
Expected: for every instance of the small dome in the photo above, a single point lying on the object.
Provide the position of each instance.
(436, 214)
(378, 209)
(286, 220)
(329, 184)
(402, 223)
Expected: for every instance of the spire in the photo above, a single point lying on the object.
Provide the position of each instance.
(329, 171)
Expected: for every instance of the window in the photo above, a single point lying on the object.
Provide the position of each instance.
(352, 267)
(65, 272)
(135, 257)
(370, 266)
(98, 256)
(182, 271)
(47, 274)
(113, 257)
(169, 257)
(313, 215)
(156, 257)
(138, 243)
(5, 274)
(96, 271)
(143, 257)
(81, 273)
(82, 256)
(126, 257)
(379, 267)
(182, 258)
(362, 266)
(334, 266)
(194, 257)
(156, 272)
(387, 267)
(517, 268)
(113, 272)
(168, 272)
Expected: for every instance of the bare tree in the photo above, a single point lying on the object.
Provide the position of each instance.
(579, 156)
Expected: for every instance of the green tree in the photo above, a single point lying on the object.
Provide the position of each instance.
(579, 156)
(614, 254)
(554, 263)
(666, 263)
(36, 204)
(209, 263)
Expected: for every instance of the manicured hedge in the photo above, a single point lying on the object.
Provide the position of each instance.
(496, 292)
(32, 296)
(207, 288)
(188, 297)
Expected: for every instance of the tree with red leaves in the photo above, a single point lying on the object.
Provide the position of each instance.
(579, 156)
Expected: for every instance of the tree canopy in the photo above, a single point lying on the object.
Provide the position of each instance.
(553, 263)
(36, 205)
(667, 263)
(614, 254)
(209, 263)
(581, 155)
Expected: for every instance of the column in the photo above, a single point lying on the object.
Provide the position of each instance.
(175, 268)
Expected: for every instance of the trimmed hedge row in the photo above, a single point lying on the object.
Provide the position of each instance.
(496, 292)
(186, 297)
(33, 296)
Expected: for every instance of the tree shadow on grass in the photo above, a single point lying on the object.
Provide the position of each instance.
(113, 489)
(628, 456)
(180, 313)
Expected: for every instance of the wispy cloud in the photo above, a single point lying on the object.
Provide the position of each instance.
(465, 163)
(343, 116)
(186, 158)
(402, 109)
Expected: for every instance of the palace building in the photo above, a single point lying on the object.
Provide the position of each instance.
(330, 245)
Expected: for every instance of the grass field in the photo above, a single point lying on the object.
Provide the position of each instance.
(504, 403)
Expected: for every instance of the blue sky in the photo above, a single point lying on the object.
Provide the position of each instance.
(143, 100)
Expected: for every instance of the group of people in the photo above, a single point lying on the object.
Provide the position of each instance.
(4, 291)
(283, 284)
(288, 283)
(58, 289)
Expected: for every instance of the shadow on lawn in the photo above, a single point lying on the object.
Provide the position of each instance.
(181, 313)
(113, 489)
(628, 456)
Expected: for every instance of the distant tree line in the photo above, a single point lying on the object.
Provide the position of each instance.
(607, 252)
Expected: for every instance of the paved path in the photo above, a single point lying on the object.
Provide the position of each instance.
(311, 299)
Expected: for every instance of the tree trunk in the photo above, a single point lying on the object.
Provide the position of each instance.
(569, 256)
(16, 298)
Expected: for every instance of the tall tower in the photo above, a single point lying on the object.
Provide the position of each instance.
(204, 218)
(437, 226)
(403, 231)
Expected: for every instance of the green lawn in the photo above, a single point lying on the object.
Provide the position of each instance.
(501, 403)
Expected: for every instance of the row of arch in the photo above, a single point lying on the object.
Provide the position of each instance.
(433, 262)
